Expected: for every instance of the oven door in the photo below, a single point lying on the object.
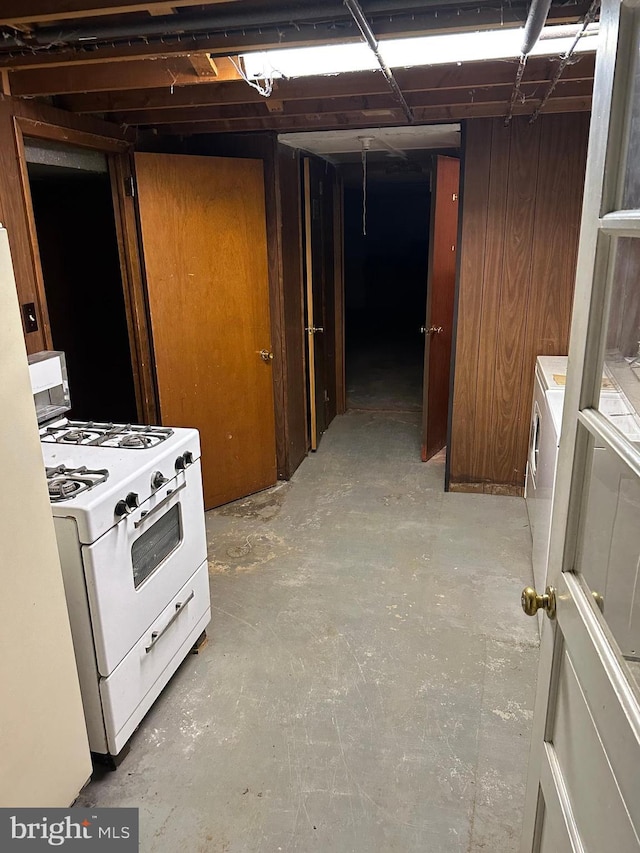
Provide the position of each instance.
(138, 566)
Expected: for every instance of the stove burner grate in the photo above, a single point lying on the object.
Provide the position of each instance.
(66, 483)
(135, 440)
(124, 436)
(77, 436)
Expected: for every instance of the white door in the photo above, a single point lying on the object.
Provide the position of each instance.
(583, 789)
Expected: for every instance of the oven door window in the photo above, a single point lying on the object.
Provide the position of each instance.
(155, 544)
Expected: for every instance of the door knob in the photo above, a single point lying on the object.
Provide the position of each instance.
(435, 330)
(313, 329)
(532, 602)
(266, 356)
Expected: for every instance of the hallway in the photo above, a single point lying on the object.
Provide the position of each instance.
(369, 679)
(385, 375)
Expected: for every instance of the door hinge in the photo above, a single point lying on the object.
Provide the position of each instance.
(129, 187)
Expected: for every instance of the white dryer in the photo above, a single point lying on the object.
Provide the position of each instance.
(609, 552)
(544, 438)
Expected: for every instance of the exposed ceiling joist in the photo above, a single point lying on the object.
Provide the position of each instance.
(43, 11)
(203, 65)
(378, 106)
(123, 76)
(468, 76)
(177, 71)
(213, 37)
(162, 9)
(423, 115)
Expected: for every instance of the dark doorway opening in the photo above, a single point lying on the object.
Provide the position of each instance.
(77, 242)
(385, 292)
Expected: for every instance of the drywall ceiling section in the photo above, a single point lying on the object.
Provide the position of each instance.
(341, 145)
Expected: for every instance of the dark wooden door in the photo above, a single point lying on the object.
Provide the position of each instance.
(323, 259)
(440, 299)
(205, 253)
(313, 188)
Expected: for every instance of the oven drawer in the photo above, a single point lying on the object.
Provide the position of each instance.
(131, 689)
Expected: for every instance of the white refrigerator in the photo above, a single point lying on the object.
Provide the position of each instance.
(43, 741)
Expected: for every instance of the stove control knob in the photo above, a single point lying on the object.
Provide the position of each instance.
(158, 480)
(121, 509)
(188, 457)
(180, 463)
(132, 500)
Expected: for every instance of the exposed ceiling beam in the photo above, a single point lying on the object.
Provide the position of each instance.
(366, 83)
(423, 115)
(375, 107)
(287, 34)
(162, 9)
(219, 45)
(204, 65)
(273, 105)
(41, 11)
(123, 76)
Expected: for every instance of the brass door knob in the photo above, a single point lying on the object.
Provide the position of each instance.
(532, 602)
(266, 356)
(435, 330)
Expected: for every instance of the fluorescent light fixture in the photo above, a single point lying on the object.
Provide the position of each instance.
(409, 52)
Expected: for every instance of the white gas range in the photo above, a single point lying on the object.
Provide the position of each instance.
(129, 520)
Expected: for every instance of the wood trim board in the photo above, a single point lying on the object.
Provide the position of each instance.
(311, 363)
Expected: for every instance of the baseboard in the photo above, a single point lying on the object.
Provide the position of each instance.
(488, 489)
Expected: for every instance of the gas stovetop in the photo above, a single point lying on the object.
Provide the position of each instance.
(121, 436)
(92, 473)
(66, 483)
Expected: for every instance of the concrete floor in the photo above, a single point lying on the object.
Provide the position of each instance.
(385, 375)
(369, 680)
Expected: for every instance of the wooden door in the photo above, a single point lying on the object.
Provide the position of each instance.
(438, 328)
(313, 188)
(583, 791)
(205, 254)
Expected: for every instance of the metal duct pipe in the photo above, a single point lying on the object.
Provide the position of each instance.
(589, 18)
(368, 35)
(536, 19)
(175, 26)
(213, 22)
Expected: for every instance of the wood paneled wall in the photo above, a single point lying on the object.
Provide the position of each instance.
(521, 203)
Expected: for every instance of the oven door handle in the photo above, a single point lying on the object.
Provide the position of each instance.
(180, 606)
(144, 515)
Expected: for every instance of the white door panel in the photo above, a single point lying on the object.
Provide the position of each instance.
(559, 829)
(609, 546)
(583, 790)
(599, 811)
(553, 839)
